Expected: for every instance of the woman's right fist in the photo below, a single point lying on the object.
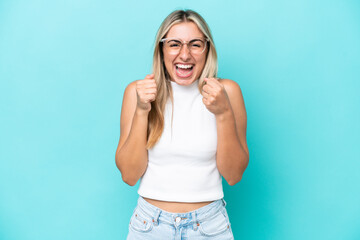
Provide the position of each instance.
(146, 92)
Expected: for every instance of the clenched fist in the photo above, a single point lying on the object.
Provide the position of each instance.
(146, 92)
(215, 97)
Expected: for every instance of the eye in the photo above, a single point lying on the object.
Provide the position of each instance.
(173, 44)
(196, 44)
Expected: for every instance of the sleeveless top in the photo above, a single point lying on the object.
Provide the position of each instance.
(182, 164)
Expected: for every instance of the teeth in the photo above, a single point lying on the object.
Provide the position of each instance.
(183, 66)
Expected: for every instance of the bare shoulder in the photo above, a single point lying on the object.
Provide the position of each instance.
(232, 88)
(127, 112)
(237, 103)
(129, 97)
(235, 95)
(129, 100)
(130, 88)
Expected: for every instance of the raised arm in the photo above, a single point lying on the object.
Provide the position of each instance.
(225, 100)
(131, 155)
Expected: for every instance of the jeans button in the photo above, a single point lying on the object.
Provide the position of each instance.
(178, 219)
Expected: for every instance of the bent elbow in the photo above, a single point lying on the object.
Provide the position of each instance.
(129, 181)
(231, 183)
(234, 181)
(128, 176)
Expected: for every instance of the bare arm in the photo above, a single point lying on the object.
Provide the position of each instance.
(131, 155)
(225, 100)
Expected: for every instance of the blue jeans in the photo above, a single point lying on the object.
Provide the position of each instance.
(149, 222)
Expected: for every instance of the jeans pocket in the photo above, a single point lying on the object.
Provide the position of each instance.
(140, 222)
(215, 225)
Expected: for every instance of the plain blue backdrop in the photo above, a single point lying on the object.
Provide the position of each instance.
(64, 65)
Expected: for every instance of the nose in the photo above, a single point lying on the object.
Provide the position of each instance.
(185, 53)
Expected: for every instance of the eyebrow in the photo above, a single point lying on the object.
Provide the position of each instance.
(197, 38)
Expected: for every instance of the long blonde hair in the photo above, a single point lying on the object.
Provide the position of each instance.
(164, 91)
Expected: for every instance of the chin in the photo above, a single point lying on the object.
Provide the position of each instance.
(184, 82)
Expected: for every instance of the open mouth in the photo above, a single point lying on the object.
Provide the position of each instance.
(184, 70)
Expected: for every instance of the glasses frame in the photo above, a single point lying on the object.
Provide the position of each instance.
(187, 42)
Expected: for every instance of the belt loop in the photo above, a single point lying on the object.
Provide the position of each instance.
(196, 224)
(156, 218)
(223, 200)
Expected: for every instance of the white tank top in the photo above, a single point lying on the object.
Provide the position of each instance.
(182, 165)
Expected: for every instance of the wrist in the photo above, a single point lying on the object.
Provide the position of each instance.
(142, 112)
(225, 115)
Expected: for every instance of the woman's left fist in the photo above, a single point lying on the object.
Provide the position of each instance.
(215, 97)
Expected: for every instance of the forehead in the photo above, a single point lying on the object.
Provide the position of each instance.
(185, 31)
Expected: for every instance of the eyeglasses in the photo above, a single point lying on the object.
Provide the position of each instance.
(174, 45)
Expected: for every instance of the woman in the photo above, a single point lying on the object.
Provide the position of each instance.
(181, 130)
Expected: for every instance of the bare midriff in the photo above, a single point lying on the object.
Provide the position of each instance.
(176, 207)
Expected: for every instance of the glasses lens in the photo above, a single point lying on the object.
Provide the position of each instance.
(197, 46)
(173, 46)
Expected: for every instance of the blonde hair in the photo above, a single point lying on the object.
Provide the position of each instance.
(164, 91)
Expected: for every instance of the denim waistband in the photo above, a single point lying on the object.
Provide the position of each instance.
(180, 219)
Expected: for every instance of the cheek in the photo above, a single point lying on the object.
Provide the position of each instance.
(168, 67)
(168, 63)
(201, 64)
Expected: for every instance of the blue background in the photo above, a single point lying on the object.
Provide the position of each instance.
(65, 64)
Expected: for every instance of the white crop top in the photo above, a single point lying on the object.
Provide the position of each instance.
(182, 165)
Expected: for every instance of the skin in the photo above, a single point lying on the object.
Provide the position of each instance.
(221, 97)
(185, 31)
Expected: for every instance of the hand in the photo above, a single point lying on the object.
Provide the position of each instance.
(215, 97)
(146, 92)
